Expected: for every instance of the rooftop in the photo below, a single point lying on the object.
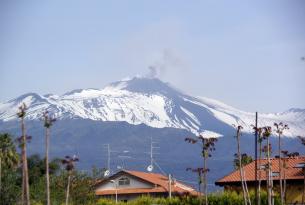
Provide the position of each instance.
(160, 182)
(293, 170)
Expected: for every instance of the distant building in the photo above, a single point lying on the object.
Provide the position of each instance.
(294, 174)
(128, 185)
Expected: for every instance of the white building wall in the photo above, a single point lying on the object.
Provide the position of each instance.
(134, 183)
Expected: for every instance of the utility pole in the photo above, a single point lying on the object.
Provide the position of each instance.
(256, 193)
(115, 183)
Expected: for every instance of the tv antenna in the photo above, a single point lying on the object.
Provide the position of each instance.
(106, 173)
(150, 167)
(108, 170)
(123, 158)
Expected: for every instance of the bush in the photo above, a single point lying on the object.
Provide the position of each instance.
(224, 198)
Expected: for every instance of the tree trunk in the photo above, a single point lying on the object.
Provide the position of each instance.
(280, 171)
(246, 187)
(303, 195)
(259, 173)
(202, 188)
(68, 189)
(284, 187)
(205, 179)
(47, 166)
(25, 188)
(240, 169)
(269, 174)
(1, 175)
(200, 181)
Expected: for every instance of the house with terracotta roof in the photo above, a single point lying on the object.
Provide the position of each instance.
(127, 185)
(293, 173)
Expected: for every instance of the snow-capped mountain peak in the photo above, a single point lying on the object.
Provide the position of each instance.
(149, 101)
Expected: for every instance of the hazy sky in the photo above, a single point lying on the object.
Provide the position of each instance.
(244, 53)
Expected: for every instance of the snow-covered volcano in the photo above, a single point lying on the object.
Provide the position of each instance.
(149, 101)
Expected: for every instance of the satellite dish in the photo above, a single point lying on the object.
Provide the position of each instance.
(150, 168)
(106, 173)
(119, 167)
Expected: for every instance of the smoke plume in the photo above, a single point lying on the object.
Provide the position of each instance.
(167, 61)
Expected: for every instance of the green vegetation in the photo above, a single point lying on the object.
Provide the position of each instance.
(81, 183)
(225, 198)
(245, 159)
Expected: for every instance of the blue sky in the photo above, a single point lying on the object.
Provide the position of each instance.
(244, 53)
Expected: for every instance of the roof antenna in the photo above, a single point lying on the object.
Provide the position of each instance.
(150, 167)
(108, 171)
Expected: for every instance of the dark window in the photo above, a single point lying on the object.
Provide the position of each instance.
(263, 166)
(275, 174)
(124, 181)
(300, 165)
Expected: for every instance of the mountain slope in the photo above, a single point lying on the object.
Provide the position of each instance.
(151, 102)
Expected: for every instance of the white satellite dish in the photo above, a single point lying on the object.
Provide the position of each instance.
(106, 173)
(150, 168)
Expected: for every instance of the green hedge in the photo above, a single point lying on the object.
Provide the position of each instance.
(225, 198)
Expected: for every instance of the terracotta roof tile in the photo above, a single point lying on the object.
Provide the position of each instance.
(292, 172)
(159, 180)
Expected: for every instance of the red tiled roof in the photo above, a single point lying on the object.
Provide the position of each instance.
(160, 182)
(131, 191)
(292, 172)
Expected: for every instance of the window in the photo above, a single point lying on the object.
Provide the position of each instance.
(275, 174)
(263, 166)
(124, 181)
(300, 165)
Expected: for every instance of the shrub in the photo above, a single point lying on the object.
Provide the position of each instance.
(223, 198)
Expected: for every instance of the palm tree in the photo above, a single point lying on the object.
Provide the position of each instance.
(303, 195)
(199, 171)
(267, 150)
(22, 141)
(48, 122)
(286, 155)
(208, 145)
(69, 162)
(260, 141)
(241, 170)
(280, 127)
(8, 155)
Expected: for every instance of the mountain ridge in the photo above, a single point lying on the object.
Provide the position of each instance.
(151, 102)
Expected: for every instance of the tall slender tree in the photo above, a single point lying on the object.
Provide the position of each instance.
(199, 172)
(23, 140)
(8, 155)
(48, 122)
(260, 142)
(279, 129)
(286, 155)
(303, 195)
(69, 163)
(246, 196)
(267, 150)
(207, 145)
